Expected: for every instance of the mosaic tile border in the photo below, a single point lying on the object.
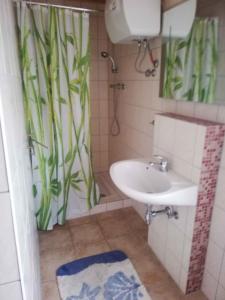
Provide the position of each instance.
(206, 194)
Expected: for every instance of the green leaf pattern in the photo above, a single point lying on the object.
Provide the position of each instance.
(55, 58)
(191, 64)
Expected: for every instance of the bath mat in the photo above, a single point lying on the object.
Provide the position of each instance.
(109, 276)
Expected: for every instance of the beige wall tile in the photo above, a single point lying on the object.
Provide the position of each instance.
(95, 109)
(94, 90)
(99, 92)
(104, 126)
(94, 49)
(104, 143)
(94, 127)
(103, 109)
(103, 70)
(101, 28)
(94, 26)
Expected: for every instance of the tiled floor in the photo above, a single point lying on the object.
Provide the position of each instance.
(120, 229)
(108, 190)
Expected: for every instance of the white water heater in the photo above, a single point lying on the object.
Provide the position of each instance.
(129, 20)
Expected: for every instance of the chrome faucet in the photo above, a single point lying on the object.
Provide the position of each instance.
(161, 163)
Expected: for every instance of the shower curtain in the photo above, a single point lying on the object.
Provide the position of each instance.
(55, 59)
(191, 64)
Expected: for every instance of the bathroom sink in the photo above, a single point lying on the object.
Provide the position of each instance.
(144, 183)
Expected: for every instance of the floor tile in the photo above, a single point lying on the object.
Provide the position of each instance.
(195, 296)
(50, 291)
(117, 214)
(131, 244)
(130, 211)
(112, 228)
(150, 270)
(51, 260)
(86, 234)
(82, 220)
(164, 290)
(119, 229)
(168, 290)
(137, 224)
(84, 250)
(55, 239)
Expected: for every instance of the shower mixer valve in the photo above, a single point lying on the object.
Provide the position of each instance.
(145, 44)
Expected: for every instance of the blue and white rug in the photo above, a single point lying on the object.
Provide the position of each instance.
(109, 276)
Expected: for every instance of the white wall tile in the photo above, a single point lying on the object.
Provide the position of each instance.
(220, 189)
(209, 286)
(214, 259)
(185, 108)
(183, 280)
(175, 241)
(165, 133)
(186, 253)
(221, 114)
(222, 272)
(160, 225)
(217, 227)
(8, 257)
(196, 175)
(190, 221)
(11, 291)
(185, 140)
(157, 244)
(199, 146)
(3, 175)
(169, 105)
(206, 112)
(182, 167)
(9, 63)
(157, 103)
(178, 142)
(222, 164)
(220, 293)
(173, 266)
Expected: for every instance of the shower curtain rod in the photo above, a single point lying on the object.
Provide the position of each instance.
(78, 9)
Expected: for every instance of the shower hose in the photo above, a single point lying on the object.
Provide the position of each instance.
(115, 126)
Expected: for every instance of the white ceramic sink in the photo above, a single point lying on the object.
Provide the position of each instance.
(144, 183)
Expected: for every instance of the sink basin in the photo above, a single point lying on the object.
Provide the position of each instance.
(144, 183)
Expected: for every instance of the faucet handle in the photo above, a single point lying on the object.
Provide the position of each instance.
(158, 157)
(163, 161)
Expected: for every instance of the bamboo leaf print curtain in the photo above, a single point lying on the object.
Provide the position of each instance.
(191, 64)
(55, 59)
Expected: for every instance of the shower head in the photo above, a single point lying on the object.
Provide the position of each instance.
(105, 54)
